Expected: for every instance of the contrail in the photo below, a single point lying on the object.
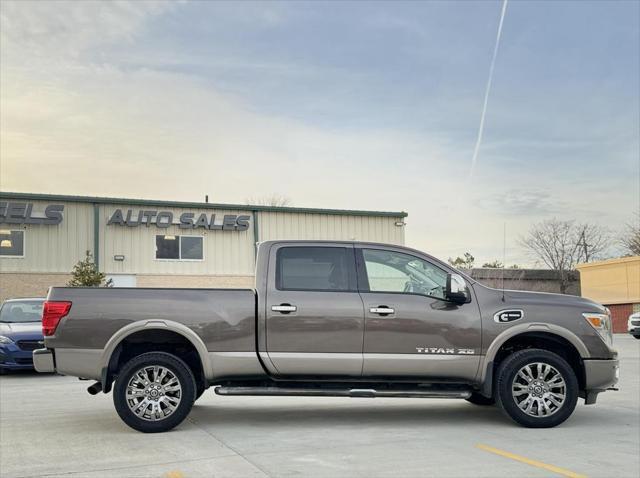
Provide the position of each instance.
(486, 93)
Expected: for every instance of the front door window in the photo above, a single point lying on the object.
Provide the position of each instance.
(395, 272)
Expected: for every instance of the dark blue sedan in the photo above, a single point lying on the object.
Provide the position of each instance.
(20, 333)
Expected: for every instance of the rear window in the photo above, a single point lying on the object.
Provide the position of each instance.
(315, 269)
(22, 311)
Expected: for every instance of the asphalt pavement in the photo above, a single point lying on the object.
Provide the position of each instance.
(50, 426)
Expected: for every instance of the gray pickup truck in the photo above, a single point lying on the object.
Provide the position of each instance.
(341, 319)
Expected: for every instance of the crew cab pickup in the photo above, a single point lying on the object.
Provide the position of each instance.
(342, 319)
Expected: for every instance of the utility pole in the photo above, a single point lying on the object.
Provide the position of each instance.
(585, 246)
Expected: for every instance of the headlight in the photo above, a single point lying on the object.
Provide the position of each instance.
(602, 324)
(5, 340)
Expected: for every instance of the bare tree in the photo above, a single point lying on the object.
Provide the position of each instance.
(275, 200)
(563, 244)
(630, 239)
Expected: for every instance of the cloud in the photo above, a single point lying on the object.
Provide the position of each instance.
(68, 28)
(523, 202)
(157, 131)
(69, 124)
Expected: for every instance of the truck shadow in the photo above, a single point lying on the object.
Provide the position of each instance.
(357, 413)
(21, 373)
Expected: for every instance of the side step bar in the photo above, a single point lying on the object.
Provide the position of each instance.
(351, 392)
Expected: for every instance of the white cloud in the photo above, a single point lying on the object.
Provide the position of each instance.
(523, 201)
(68, 28)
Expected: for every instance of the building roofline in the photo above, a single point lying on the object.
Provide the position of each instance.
(194, 205)
(608, 262)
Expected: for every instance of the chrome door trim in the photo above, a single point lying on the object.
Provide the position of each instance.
(382, 310)
(284, 308)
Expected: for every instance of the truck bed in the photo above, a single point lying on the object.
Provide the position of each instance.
(224, 319)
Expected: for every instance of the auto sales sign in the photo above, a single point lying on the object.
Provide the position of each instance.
(186, 220)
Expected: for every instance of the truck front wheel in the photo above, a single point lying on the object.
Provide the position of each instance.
(154, 392)
(536, 388)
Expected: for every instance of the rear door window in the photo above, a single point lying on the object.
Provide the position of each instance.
(315, 269)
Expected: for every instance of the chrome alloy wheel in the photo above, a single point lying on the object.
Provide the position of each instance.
(539, 389)
(153, 393)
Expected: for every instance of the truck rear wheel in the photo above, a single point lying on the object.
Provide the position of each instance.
(154, 392)
(536, 388)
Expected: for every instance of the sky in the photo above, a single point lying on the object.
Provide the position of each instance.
(353, 105)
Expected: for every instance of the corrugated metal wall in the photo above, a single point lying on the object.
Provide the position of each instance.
(53, 248)
(225, 252)
(58, 248)
(279, 225)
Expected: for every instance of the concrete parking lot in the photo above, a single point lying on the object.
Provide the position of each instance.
(50, 426)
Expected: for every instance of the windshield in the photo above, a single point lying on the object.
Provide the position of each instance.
(21, 311)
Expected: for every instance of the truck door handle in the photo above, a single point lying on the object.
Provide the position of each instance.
(382, 310)
(284, 308)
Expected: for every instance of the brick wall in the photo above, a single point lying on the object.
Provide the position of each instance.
(240, 282)
(13, 285)
(536, 280)
(620, 314)
(29, 285)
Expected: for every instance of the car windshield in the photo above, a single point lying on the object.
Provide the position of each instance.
(21, 311)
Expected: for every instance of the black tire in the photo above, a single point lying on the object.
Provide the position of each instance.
(506, 374)
(187, 394)
(199, 390)
(478, 399)
(637, 337)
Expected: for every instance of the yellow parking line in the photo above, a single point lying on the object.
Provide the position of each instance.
(528, 461)
(174, 474)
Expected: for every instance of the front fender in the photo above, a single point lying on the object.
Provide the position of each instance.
(486, 371)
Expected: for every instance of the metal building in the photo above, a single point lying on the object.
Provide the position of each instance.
(147, 243)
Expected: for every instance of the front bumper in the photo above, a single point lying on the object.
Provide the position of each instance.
(43, 360)
(14, 358)
(601, 374)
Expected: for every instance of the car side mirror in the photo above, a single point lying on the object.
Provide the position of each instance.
(456, 289)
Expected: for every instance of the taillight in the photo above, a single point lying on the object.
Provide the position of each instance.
(52, 312)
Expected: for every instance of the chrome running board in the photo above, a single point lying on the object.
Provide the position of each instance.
(333, 392)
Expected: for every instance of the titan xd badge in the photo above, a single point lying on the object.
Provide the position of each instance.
(445, 350)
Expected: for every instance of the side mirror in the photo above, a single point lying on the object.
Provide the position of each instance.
(456, 289)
